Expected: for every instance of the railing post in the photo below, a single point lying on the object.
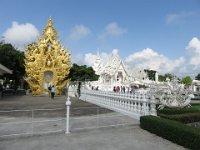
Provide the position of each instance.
(68, 103)
(32, 120)
(144, 111)
(153, 106)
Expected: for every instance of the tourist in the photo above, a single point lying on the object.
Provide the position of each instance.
(124, 89)
(52, 92)
(114, 90)
(49, 90)
(118, 89)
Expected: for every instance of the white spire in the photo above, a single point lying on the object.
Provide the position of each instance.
(97, 63)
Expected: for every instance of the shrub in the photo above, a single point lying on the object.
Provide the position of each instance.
(1, 87)
(171, 130)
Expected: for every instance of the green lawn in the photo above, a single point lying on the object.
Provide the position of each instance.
(173, 111)
(184, 115)
(196, 107)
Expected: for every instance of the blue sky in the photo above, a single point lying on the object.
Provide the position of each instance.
(162, 29)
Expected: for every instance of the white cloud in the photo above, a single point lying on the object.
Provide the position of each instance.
(193, 55)
(112, 30)
(150, 59)
(145, 59)
(90, 58)
(20, 35)
(193, 51)
(78, 59)
(178, 18)
(115, 51)
(79, 31)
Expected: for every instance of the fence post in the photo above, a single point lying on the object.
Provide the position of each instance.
(68, 103)
(32, 121)
(153, 106)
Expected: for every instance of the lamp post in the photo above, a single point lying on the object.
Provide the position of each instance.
(68, 104)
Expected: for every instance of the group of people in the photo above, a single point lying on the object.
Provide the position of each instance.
(95, 88)
(117, 89)
(123, 89)
(51, 91)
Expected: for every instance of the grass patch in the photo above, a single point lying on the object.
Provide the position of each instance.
(174, 111)
(184, 115)
(184, 118)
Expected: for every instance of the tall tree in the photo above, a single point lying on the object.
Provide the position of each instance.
(164, 77)
(82, 74)
(151, 74)
(187, 80)
(197, 77)
(14, 60)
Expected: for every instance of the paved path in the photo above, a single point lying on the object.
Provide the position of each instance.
(128, 137)
(117, 138)
(195, 101)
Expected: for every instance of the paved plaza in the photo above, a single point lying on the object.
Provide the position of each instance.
(119, 138)
(101, 137)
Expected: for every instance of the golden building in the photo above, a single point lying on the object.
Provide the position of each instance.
(47, 63)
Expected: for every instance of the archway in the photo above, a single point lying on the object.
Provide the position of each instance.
(47, 81)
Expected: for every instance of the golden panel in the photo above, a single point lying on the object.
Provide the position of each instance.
(47, 63)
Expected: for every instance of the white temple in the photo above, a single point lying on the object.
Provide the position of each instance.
(115, 73)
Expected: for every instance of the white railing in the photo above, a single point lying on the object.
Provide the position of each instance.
(133, 105)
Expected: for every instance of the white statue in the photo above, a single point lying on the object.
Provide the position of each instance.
(173, 95)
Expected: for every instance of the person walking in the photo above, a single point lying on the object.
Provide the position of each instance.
(49, 90)
(52, 92)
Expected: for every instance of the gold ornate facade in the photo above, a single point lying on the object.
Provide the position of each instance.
(47, 63)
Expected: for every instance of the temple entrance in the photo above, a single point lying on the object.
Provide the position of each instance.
(48, 80)
(119, 77)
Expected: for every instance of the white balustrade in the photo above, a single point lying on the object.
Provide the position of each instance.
(133, 105)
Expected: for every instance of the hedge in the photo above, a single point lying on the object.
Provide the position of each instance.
(174, 131)
(184, 118)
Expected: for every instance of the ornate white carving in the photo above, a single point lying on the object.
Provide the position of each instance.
(112, 73)
(173, 95)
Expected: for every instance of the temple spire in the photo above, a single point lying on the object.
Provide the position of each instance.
(49, 31)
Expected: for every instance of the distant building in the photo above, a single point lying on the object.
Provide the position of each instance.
(115, 73)
(196, 86)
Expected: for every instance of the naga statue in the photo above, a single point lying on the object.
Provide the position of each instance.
(47, 63)
(173, 95)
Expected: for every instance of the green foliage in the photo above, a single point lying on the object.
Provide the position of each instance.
(151, 74)
(1, 87)
(187, 80)
(184, 115)
(171, 130)
(14, 60)
(164, 77)
(174, 111)
(82, 73)
(184, 118)
(197, 77)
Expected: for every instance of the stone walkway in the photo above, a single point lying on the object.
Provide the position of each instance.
(125, 137)
(117, 138)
